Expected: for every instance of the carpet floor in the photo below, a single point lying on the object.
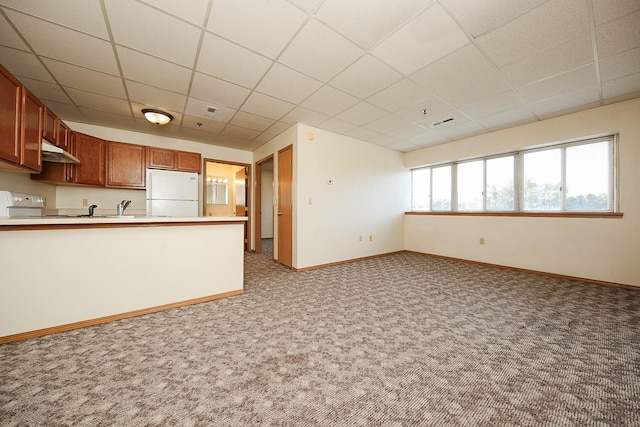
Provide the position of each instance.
(398, 340)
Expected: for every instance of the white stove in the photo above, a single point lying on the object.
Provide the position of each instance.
(14, 204)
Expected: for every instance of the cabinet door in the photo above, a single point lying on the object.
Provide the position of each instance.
(126, 165)
(91, 152)
(62, 135)
(189, 162)
(49, 126)
(10, 104)
(31, 131)
(161, 158)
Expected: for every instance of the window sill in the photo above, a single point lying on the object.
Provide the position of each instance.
(525, 214)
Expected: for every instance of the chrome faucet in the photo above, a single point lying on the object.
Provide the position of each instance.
(122, 206)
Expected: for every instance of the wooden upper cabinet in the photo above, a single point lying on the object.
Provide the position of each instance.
(49, 126)
(92, 153)
(126, 165)
(189, 162)
(161, 158)
(31, 131)
(62, 135)
(10, 110)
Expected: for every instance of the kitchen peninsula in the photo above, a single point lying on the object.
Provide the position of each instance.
(64, 273)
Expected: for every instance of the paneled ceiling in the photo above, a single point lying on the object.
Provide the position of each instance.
(400, 74)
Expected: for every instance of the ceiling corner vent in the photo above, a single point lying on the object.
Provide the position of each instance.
(210, 111)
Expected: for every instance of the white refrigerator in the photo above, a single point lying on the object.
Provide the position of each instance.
(171, 193)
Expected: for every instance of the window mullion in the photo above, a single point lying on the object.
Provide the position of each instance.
(454, 187)
(518, 182)
(563, 179)
(484, 185)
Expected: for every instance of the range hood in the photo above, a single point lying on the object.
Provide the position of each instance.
(51, 153)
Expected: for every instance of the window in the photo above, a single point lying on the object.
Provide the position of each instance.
(569, 177)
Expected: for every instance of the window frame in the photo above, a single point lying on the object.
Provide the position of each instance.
(518, 183)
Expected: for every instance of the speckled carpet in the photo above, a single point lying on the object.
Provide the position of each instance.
(399, 340)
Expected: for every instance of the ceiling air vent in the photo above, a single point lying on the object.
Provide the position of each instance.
(210, 111)
(450, 119)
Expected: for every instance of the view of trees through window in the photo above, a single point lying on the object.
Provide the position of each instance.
(568, 177)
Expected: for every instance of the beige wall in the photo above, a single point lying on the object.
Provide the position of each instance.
(599, 249)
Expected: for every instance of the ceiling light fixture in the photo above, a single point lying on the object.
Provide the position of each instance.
(156, 116)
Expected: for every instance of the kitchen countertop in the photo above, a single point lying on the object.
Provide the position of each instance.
(110, 221)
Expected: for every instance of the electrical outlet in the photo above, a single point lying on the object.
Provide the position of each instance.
(482, 240)
(85, 202)
(371, 237)
(360, 238)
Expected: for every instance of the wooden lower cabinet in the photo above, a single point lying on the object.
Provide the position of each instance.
(126, 165)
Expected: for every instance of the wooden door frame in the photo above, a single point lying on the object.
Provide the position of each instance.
(248, 189)
(257, 224)
(277, 171)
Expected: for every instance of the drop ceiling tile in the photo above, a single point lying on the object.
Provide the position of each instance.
(329, 101)
(152, 71)
(408, 132)
(361, 113)
(414, 112)
(375, 19)
(238, 132)
(278, 127)
(229, 61)
(626, 87)
(607, 10)
(309, 50)
(464, 65)
(386, 124)
(547, 25)
(265, 26)
(480, 17)
(398, 95)
(306, 116)
(566, 82)
(338, 126)
(9, 37)
(108, 119)
(85, 79)
(46, 91)
(378, 77)
(252, 121)
(202, 124)
(427, 139)
(287, 84)
(155, 97)
(266, 106)
(94, 101)
(218, 91)
(463, 130)
(431, 121)
(504, 119)
(157, 34)
(567, 102)
(425, 39)
(492, 105)
(309, 6)
(195, 12)
(385, 141)
(85, 16)
(54, 41)
(620, 65)
(198, 108)
(619, 35)
(546, 63)
(23, 64)
(363, 134)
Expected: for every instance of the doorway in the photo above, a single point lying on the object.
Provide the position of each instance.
(263, 206)
(226, 191)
